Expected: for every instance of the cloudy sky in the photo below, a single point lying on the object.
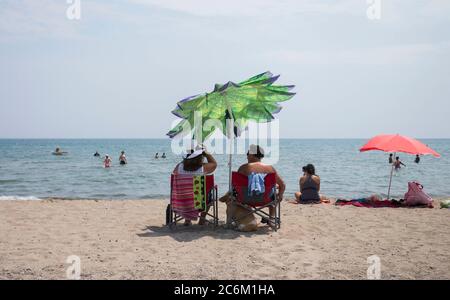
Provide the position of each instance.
(118, 71)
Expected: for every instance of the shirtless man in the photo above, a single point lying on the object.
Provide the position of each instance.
(123, 158)
(254, 164)
(398, 164)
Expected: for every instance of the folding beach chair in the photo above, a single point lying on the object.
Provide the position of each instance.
(189, 196)
(256, 203)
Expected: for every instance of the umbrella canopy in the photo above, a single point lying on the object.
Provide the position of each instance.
(398, 143)
(254, 99)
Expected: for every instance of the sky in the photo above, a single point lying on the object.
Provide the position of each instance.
(118, 70)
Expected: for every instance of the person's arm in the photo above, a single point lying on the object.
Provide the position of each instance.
(242, 169)
(281, 185)
(211, 165)
(402, 164)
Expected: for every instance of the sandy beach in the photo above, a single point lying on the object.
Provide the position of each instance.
(127, 240)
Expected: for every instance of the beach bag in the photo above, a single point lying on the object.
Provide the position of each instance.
(416, 196)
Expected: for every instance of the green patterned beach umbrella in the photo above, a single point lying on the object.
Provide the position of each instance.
(255, 99)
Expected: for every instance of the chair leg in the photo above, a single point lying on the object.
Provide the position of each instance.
(216, 217)
(279, 215)
(174, 216)
(173, 219)
(217, 207)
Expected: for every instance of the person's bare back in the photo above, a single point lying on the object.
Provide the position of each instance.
(254, 164)
(257, 167)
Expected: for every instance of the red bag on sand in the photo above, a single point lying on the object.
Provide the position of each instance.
(416, 195)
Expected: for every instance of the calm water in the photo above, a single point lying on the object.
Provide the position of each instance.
(28, 170)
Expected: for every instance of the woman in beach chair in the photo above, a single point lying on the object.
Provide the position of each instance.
(193, 165)
(309, 187)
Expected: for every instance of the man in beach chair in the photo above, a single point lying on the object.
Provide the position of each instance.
(192, 191)
(257, 186)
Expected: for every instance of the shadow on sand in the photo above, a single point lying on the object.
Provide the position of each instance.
(190, 233)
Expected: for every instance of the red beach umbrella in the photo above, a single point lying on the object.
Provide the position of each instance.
(397, 143)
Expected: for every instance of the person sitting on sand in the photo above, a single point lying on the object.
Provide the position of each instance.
(254, 165)
(309, 186)
(123, 158)
(398, 164)
(193, 164)
(96, 154)
(107, 161)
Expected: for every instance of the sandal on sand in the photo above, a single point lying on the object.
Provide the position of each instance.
(266, 221)
(202, 221)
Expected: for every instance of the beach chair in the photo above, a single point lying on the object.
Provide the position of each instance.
(256, 203)
(189, 196)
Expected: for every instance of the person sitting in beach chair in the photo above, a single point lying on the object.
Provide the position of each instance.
(193, 189)
(257, 186)
(309, 187)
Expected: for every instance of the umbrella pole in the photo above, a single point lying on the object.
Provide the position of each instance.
(390, 179)
(230, 157)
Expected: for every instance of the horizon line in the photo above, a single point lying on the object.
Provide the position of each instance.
(157, 138)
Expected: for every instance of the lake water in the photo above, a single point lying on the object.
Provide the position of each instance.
(28, 170)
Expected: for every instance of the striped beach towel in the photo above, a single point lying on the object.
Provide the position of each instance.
(183, 197)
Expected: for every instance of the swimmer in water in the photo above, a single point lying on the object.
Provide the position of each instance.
(164, 155)
(96, 154)
(417, 160)
(391, 159)
(122, 158)
(58, 151)
(156, 155)
(398, 164)
(107, 161)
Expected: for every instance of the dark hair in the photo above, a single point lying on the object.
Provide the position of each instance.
(259, 154)
(310, 169)
(193, 164)
(391, 154)
(398, 157)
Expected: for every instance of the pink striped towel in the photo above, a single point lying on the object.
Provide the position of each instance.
(183, 197)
